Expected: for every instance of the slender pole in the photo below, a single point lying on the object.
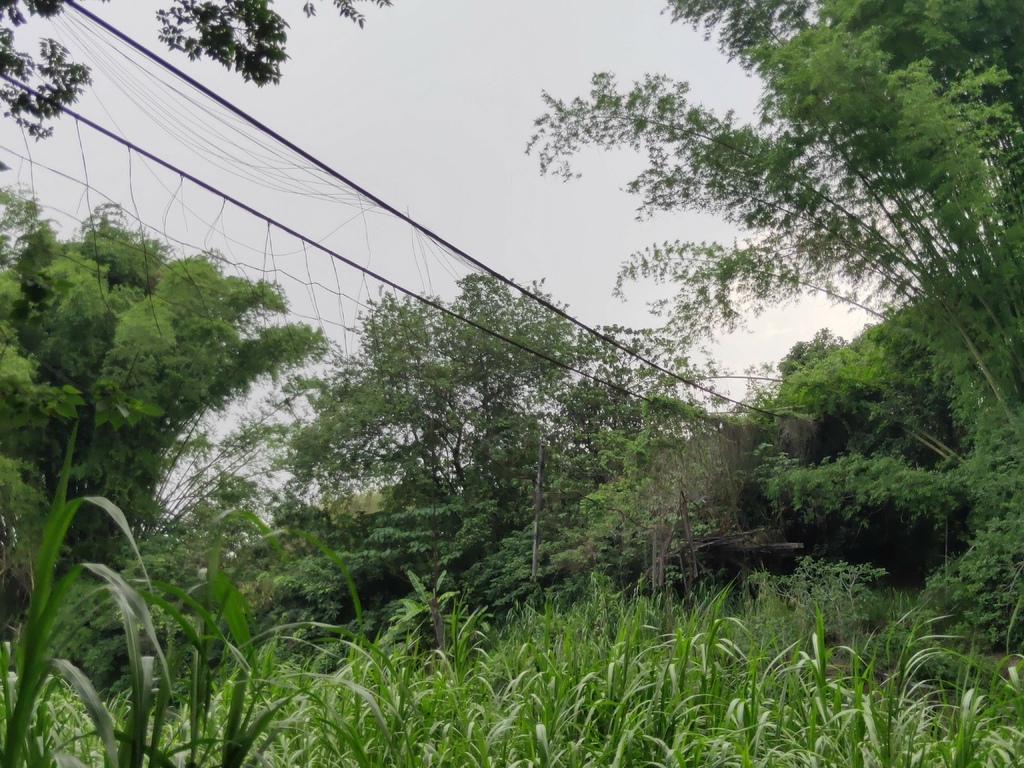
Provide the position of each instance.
(538, 498)
(690, 576)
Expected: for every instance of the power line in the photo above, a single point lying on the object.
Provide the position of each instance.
(263, 128)
(184, 175)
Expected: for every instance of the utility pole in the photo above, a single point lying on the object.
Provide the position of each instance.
(538, 498)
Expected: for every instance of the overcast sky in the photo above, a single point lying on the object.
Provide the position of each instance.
(430, 107)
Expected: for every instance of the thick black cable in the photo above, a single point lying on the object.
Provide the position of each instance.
(550, 306)
(302, 238)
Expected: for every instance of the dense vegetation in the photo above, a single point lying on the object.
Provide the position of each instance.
(344, 573)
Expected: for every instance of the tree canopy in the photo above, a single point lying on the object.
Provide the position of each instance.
(885, 162)
(441, 422)
(110, 332)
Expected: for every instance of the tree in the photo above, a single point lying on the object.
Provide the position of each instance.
(865, 459)
(139, 348)
(440, 418)
(248, 36)
(887, 156)
(439, 423)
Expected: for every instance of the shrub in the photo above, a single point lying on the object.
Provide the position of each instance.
(986, 585)
(787, 605)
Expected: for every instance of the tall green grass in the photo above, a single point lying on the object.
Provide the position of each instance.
(204, 705)
(605, 683)
(611, 681)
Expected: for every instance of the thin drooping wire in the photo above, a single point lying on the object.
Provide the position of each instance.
(187, 246)
(190, 121)
(447, 246)
(184, 115)
(218, 137)
(308, 241)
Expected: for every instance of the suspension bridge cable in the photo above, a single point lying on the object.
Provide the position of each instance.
(263, 128)
(270, 221)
